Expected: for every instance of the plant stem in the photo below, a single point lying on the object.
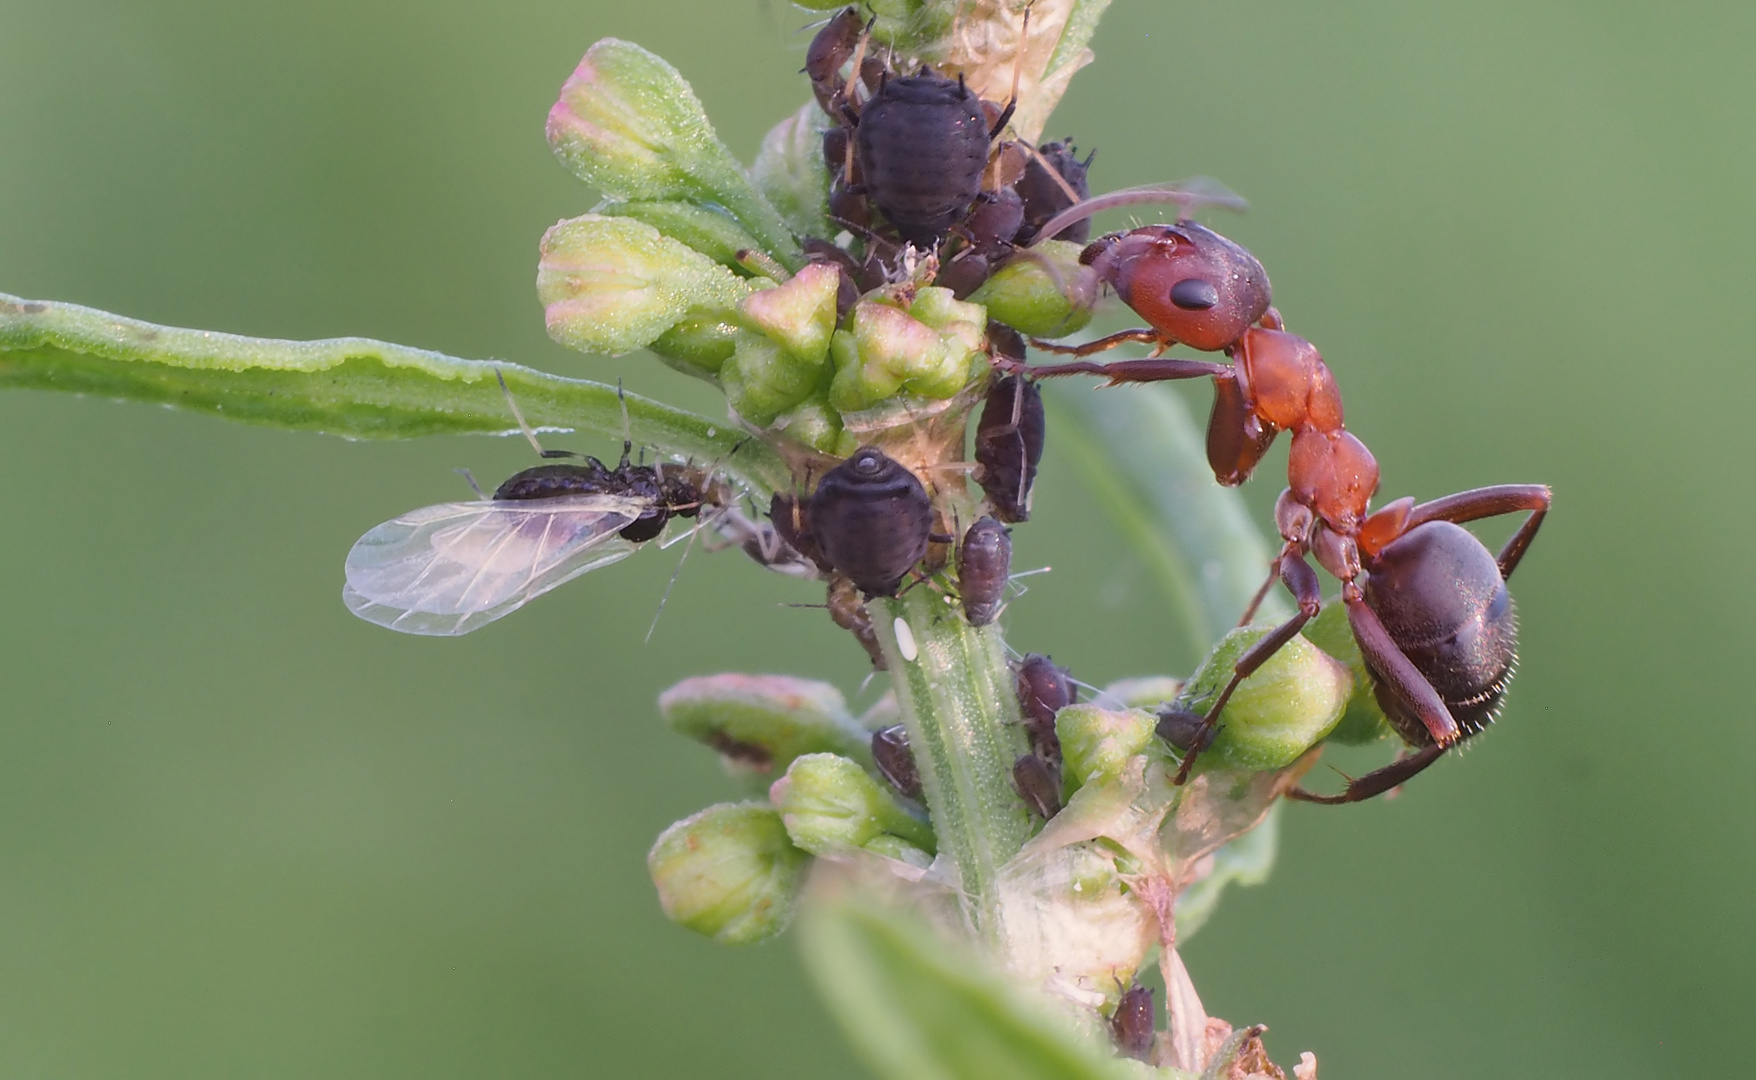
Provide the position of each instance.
(958, 703)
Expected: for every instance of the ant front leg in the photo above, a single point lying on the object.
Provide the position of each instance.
(1142, 371)
(1376, 782)
(1301, 581)
(1492, 502)
(1121, 337)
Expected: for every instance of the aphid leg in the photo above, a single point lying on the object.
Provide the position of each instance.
(1492, 502)
(627, 441)
(1395, 671)
(1302, 582)
(470, 479)
(681, 559)
(1376, 782)
(512, 403)
(1017, 73)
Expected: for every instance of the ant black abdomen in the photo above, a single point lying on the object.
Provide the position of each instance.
(1440, 595)
(923, 146)
(871, 519)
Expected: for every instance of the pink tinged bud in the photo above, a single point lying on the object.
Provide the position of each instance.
(760, 723)
(799, 314)
(612, 285)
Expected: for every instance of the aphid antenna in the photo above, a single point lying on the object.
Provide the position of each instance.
(470, 479)
(627, 441)
(529, 434)
(1187, 196)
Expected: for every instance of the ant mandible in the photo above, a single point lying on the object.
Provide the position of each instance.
(1434, 619)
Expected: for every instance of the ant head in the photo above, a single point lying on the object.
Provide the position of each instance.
(1192, 284)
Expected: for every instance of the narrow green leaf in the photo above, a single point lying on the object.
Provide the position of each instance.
(353, 387)
(1142, 456)
(917, 1008)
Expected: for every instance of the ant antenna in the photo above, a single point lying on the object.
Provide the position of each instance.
(531, 436)
(1188, 196)
(470, 479)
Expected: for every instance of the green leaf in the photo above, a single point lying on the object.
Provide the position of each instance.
(917, 1008)
(354, 387)
(790, 172)
(1143, 458)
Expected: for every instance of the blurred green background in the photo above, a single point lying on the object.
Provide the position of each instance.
(245, 834)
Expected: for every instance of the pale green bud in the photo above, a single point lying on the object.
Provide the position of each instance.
(829, 804)
(813, 423)
(706, 229)
(628, 124)
(895, 847)
(1145, 692)
(763, 380)
(790, 173)
(728, 872)
(1098, 743)
(799, 314)
(1364, 720)
(612, 285)
(1043, 292)
(1291, 702)
(697, 345)
(760, 723)
(886, 350)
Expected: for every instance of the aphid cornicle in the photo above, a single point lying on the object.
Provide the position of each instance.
(1044, 689)
(895, 761)
(984, 563)
(871, 519)
(1038, 781)
(1132, 1023)
(1009, 446)
(448, 569)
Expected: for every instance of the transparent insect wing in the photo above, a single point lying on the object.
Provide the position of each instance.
(448, 569)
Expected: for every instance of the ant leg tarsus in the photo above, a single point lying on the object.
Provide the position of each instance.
(1376, 782)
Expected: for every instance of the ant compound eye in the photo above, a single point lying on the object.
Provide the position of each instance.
(1194, 294)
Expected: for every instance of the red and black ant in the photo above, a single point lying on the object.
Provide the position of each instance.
(1433, 619)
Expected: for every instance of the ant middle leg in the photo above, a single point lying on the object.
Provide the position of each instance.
(1301, 581)
(1121, 337)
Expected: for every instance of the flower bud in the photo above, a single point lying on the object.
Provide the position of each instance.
(1283, 709)
(886, 350)
(697, 345)
(611, 285)
(728, 872)
(762, 380)
(895, 847)
(830, 804)
(790, 173)
(1098, 742)
(1042, 292)
(799, 314)
(1364, 719)
(708, 230)
(628, 124)
(813, 423)
(760, 723)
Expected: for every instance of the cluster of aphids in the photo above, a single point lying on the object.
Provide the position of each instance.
(917, 159)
